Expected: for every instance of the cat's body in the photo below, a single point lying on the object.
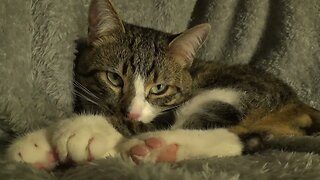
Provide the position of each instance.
(156, 102)
(256, 87)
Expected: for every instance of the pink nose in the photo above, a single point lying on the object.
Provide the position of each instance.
(133, 116)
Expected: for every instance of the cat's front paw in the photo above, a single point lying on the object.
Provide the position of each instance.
(33, 148)
(85, 138)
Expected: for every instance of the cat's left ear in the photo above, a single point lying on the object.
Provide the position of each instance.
(184, 47)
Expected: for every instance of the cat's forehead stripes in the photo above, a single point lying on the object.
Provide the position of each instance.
(125, 68)
(142, 51)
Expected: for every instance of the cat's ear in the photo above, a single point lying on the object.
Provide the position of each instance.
(184, 47)
(103, 20)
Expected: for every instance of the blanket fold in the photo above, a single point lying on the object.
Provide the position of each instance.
(36, 60)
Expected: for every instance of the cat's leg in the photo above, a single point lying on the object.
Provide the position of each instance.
(33, 148)
(177, 145)
(84, 138)
(290, 120)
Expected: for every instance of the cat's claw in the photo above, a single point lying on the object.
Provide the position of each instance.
(35, 149)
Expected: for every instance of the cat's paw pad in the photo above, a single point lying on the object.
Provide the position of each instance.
(85, 138)
(35, 149)
(150, 150)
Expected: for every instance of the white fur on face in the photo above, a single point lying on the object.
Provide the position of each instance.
(229, 96)
(139, 104)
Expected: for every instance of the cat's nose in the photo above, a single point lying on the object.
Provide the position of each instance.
(133, 116)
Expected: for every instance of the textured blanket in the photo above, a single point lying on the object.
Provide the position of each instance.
(36, 60)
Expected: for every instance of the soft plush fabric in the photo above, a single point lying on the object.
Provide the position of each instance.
(36, 60)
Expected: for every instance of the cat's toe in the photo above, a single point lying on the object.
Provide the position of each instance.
(59, 141)
(72, 143)
(34, 149)
(85, 138)
(81, 145)
(144, 149)
(78, 146)
(84, 146)
(152, 150)
(139, 150)
(168, 153)
(154, 142)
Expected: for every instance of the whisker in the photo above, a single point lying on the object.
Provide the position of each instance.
(106, 108)
(85, 97)
(79, 85)
(85, 90)
(170, 109)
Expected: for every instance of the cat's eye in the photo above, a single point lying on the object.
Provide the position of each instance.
(159, 89)
(115, 79)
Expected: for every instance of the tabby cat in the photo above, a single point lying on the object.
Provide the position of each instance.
(143, 95)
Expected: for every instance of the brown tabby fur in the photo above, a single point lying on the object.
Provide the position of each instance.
(291, 119)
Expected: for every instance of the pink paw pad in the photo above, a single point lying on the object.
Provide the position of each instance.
(154, 143)
(168, 153)
(144, 149)
(139, 150)
(52, 158)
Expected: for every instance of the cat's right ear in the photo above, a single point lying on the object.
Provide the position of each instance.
(184, 47)
(103, 20)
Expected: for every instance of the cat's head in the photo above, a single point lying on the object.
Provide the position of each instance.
(133, 71)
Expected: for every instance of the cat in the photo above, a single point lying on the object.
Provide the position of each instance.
(142, 95)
